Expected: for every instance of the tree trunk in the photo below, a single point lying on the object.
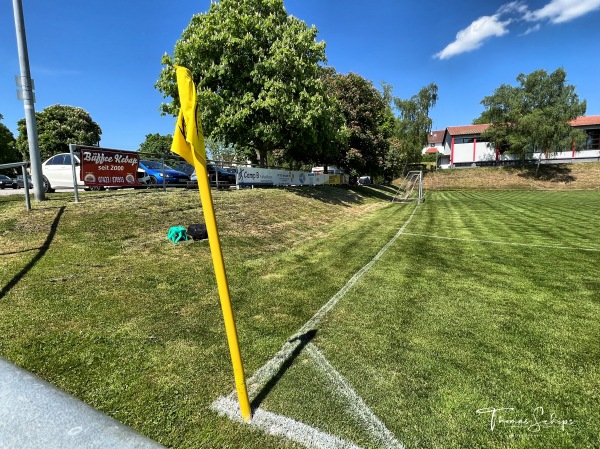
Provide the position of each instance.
(537, 168)
(262, 157)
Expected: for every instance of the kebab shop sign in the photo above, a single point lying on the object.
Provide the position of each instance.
(102, 167)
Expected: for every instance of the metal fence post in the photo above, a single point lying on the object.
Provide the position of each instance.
(164, 179)
(26, 187)
(72, 147)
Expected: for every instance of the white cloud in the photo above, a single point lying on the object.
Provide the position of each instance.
(556, 11)
(560, 11)
(517, 6)
(472, 37)
(532, 29)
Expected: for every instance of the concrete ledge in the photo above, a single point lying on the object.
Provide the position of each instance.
(36, 415)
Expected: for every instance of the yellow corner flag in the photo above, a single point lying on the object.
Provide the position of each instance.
(188, 142)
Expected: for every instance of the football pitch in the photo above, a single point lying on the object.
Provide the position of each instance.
(477, 325)
(468, 321)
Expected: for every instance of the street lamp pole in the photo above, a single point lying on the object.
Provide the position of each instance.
(26, 94)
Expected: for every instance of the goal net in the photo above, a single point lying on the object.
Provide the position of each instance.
(411, 188)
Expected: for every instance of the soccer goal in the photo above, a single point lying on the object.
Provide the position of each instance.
(411, 188)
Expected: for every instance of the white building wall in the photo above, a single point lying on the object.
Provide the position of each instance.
(473, 152)
(468, 152)
(583, 154)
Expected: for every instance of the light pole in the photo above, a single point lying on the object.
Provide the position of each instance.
(26, 94)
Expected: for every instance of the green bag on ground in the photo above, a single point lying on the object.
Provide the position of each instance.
(177, 233)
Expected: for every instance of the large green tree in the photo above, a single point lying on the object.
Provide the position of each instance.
(414, 123)
(156, 144)
(367, 123)
(410, 128)
(58, 126)
(534, 116)
(8, 150)
(257, 71)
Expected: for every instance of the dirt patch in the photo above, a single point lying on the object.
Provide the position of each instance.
(583, 176)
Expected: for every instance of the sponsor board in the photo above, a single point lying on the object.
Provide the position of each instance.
(103, 167)
(250, 176)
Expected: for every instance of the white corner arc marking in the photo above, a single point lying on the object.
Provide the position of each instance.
(304, 434)
(372, 423)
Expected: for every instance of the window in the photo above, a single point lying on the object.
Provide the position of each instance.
(593, 139)
(56, 160)
(469, 139)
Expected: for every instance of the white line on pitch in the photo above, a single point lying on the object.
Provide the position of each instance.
(282, 426)
(372, 423)
(264, 374)
(535, 245)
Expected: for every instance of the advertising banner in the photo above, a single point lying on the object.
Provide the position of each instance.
(103, 167)
(251, 176)
(334, 179)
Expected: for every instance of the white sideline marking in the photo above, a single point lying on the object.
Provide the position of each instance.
(279, 425)
(373, 424)
(269, 369)
(504, 243)
(274, 424)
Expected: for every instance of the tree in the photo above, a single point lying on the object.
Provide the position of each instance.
(534, 116)
(218, 151)
(156, 144)
(414, 123)
(257, 71)
(364, 110)
(409, 128)
(58, 126)
(8, 150)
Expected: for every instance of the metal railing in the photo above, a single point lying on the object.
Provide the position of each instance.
(23, 166)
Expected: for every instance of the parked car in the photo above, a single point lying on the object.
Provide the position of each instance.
(21, 182)
(221, 174)
(364, 180)
(185, 167)
(6, 182)
(215, 172)
(57, 172)
(154, 170)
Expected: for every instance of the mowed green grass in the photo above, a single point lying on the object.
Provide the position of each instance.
(505, 316)
(96, 300)
(489, 299)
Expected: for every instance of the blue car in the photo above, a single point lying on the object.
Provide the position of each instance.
(154, 171)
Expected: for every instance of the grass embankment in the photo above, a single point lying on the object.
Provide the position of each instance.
(584, 176)
(96, 300)
(488, 299)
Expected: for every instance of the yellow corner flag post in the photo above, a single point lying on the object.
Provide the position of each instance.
(188, 142)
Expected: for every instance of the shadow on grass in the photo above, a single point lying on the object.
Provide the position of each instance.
(344, 195)
(304, 339)
(547, 172)
(42, 250)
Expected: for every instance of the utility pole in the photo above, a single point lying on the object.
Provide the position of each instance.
(25, 93)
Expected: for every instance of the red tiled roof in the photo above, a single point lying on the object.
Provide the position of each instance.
(467, 129)
(431, 151)
(588, 120)
(436, 136)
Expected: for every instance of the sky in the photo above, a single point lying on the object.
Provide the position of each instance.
(104, 56)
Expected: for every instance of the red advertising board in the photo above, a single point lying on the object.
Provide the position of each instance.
(102, 167)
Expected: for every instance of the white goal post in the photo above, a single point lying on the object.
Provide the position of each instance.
(411, 188)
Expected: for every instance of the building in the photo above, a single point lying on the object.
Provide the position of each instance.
(435, 142)
(463, 146)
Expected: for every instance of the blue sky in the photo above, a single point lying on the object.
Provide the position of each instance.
(104, 56)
